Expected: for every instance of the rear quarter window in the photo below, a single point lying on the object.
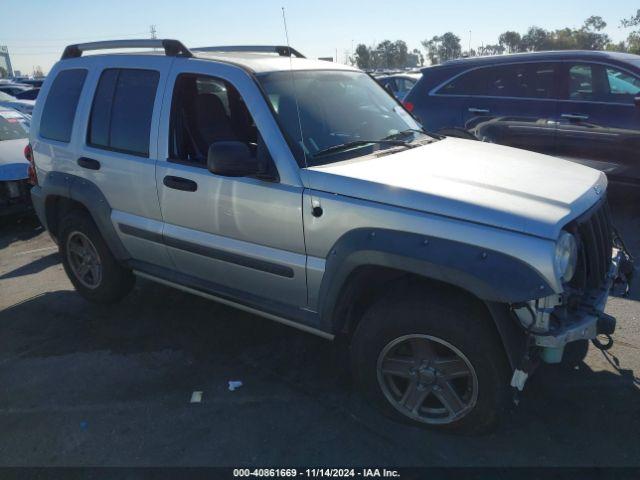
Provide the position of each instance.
(60, 106)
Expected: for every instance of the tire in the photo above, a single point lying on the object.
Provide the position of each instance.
(458, 333)
(106, 284)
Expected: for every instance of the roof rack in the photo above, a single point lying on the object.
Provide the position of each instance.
(281, 50)
(172, 48)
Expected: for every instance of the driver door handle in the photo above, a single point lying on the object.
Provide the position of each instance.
(574, 116)
(179, 183)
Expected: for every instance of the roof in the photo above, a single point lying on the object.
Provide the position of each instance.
(413, 75)
(540, 56)
(258, 58)
(263, 63)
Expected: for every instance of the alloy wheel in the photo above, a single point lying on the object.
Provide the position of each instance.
(84, 260)
(427, 379)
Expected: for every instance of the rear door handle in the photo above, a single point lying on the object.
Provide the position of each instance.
(89, 163)
(574, 116)
(179, 183)
(478, 110)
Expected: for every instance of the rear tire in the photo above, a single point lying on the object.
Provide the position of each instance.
(90, 265)
(459, 379)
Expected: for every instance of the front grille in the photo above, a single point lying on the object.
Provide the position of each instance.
(594, 231)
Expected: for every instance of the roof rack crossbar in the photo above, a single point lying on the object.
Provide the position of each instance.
(172, 48)
(281, 50)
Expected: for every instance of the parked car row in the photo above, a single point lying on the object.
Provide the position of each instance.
(399, 84)
(577, 105)
(23, 106)
(14, 185)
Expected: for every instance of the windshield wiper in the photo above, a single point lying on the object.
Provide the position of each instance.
(404, 133)
(357, 143)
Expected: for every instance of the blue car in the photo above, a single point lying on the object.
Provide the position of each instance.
(399, 84)
(579, 105)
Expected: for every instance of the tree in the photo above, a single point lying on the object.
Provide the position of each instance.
(417, 56)
(400, 54)
(595, 23)
(511, 41)
(386, 54)
(362, 57)
(633, 40)
(589, 38)
(443, 48)
(633, 43)
(535, 39)
(633, 21)
(491, 50)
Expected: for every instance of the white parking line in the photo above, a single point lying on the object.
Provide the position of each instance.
(37, 250)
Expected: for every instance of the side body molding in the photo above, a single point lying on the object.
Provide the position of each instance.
(490, 275)
(86, 193)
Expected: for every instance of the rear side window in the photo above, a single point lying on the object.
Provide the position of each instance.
(122, 110)
(466, 84)
(526, 80)
(581, 82)
(61, 104)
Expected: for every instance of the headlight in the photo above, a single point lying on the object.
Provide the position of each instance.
(566, 256)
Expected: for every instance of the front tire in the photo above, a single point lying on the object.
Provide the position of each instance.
(88, 262)
(431, 358)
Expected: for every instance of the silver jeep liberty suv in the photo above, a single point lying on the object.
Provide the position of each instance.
(301, 191)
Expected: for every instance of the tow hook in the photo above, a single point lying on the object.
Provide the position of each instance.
(606, 324)
(605, 327)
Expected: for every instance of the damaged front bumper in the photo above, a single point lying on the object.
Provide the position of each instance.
(587, 319)
(553, 322)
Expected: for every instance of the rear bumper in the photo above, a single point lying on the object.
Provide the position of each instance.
(589, 319)
(37, 199)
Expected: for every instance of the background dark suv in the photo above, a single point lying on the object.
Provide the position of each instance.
(583, 106)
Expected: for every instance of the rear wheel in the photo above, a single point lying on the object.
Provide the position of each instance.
(432, 359)
(89, 263)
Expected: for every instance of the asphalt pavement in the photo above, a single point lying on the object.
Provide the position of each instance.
(87, 385)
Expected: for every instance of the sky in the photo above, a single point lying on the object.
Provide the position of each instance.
(36, 31)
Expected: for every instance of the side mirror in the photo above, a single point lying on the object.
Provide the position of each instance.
(637, 101)
(231, 159)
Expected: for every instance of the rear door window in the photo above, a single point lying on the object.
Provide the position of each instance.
(122, 110)
(471, 83)
(542, 80)
(61, 104)
(523, 80)
(581, 82)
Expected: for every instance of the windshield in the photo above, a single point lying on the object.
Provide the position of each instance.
(13, 125)
(337, 109)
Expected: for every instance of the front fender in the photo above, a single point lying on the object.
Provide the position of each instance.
(490, 275)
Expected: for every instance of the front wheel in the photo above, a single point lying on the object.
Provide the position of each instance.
(431, 359)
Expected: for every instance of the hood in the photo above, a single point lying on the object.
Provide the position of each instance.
(24, 106)
(474, 181)
(13, 165)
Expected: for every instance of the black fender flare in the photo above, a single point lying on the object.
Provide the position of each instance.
(489, 275)
(87, 194)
